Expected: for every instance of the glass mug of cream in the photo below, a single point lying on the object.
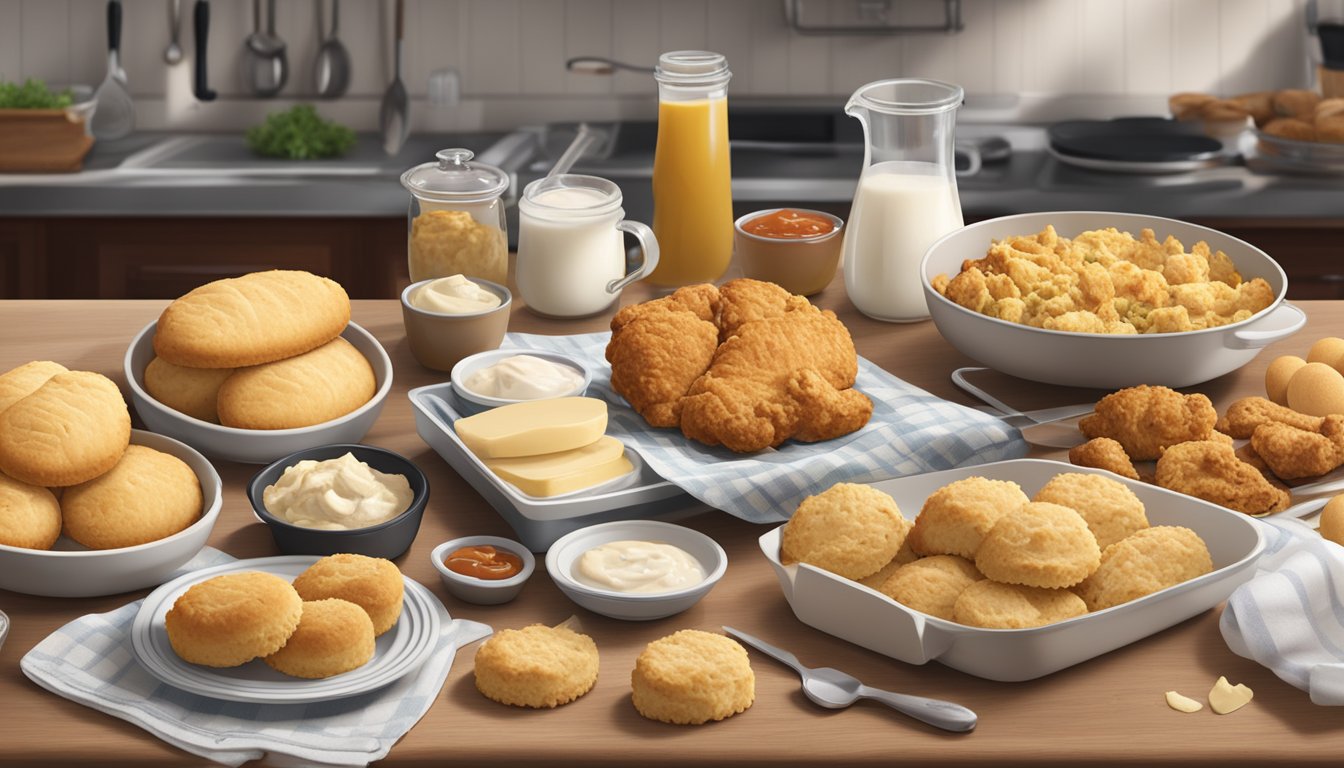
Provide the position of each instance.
(571, 254)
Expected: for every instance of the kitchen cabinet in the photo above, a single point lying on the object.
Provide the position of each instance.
(1311, 251)
(22, 266)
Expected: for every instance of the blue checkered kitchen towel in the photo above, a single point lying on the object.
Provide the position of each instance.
(910, 432)
(90, 661)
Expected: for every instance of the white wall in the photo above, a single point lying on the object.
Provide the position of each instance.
(510, 53)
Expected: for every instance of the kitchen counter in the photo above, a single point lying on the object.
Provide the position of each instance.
(1109, 710)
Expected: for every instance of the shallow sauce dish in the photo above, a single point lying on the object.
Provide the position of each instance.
(257, 446)
(866, 617)
(1106, 361)
(73, 571)
(635, 607)
(481, 360)
(483, 591)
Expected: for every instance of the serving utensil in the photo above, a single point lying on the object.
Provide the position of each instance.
(394, 114)
(173, 54)
(265, 65)
(332, 71)
(201, 29)
(114, 116)
(833, 689)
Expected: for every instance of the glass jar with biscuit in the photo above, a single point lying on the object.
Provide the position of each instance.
(456, 223)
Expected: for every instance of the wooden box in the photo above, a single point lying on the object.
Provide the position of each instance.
(44, 140)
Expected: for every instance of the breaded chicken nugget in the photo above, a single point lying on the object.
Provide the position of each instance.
(1246, 414)
(1145, 562)
(1039, 545)
(849, 529)
(1145, 419)
(932, 584)
(956, 517)
(536, 666)
(993, 605)
(1111, 510)
(1211, 471)
(1103, 453)
(1292, 453)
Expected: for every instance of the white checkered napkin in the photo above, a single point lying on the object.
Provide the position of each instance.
(90, 661)
(1290, 616)
(910, 432)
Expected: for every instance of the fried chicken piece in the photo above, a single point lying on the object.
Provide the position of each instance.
(1210, 470)
(1103, 453)
(1248, 413)
(745, 300)
(1145, 419)
(660, 347)
(778, 378)
(1292, 453)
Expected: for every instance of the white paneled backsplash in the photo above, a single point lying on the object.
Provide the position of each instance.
(1053, 55)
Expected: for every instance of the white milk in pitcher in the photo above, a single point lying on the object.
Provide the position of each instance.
(900, 208)
(566, 257)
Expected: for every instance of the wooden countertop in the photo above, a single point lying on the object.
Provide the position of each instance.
(1109, 710)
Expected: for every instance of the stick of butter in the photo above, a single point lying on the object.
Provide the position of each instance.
(534, 427)
(555, 473)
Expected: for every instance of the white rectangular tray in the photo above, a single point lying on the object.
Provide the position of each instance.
(866, 617)
(539, 522)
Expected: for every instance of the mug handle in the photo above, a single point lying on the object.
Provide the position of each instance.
(973, 161)
(648, 246)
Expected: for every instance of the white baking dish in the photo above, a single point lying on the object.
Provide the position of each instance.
(1102, 360)
(866, 617)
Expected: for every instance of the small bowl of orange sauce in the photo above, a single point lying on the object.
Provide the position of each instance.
(795, 248)
(484, 570)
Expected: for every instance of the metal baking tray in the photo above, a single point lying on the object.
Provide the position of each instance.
(539, 522)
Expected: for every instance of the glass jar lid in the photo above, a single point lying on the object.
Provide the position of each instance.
(454, 178)
(692, 68)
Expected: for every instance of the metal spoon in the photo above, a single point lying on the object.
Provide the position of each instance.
(393, 116)
(333, 60)
(265, 66)
(174, 52)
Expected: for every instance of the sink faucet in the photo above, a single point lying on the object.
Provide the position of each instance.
(600, 65)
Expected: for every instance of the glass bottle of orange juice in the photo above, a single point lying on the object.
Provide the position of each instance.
(692, 182)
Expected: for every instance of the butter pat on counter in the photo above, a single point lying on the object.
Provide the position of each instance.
(534, 427)
(551, 474)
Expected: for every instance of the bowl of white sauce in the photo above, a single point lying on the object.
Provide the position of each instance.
(636, 570)
(506, 376)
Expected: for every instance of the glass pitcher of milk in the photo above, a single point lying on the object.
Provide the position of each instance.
(907, 194)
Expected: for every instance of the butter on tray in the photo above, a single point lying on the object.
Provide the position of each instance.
(552, 474)
(534, 427)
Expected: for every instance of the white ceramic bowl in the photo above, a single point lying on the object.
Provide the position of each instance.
(483, 591)
(634, 607)
(1103, 360)
(69, 570)
(469, 365)
(257, 446)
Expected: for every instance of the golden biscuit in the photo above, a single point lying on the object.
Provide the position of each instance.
(1039, 545)
(536, 666)
(229, 620)
(333, 636)
(193, 391)
(956, 517)
(149, 495)
(18, 383)
(932, 584)
(1145, 562)
(692, 677)
(372, 583)
(317, 386)
(251, 320)
(993, 605)
(849, 529)
(1291, 128)
(1187, 106)
(30, 516)
(1296, 102)
(73, 428)
(903, 555)
(1111, 510)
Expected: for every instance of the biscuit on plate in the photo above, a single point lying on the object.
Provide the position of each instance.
(692, 677)
(1111, 510)
(73, 428)
(536, 666)
(849, 529)
(257, 318)
(192, 391)
(229, 620)
(1145, 562)
(333, 636)
(993, 605)
(314, 387)
(932, 584)
(1039, 545)
(957, 516)
(149, 495)
(372, 583)
(30, 516)
(18, 383)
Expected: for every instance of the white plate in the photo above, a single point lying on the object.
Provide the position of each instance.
(397, 652)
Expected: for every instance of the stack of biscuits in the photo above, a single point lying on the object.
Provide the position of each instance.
(261, 351)
(323, 624)
(71, 430)
(984, 554)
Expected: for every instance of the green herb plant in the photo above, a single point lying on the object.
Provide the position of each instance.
(33, 94)
(299, 133)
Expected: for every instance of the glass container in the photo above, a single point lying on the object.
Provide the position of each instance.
(455, 224)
